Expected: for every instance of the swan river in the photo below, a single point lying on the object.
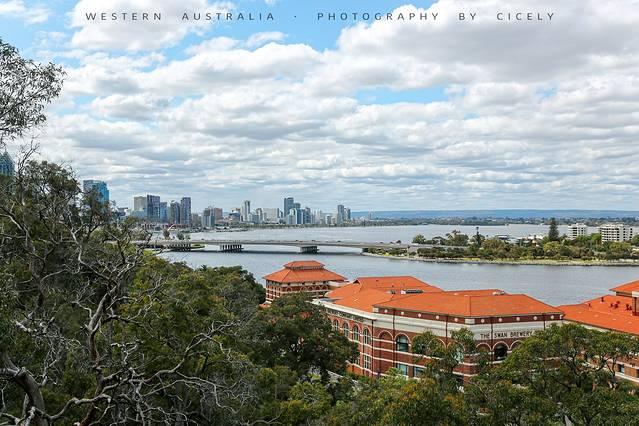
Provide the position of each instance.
(552, 284)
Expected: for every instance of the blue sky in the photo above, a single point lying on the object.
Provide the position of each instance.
(376, 115)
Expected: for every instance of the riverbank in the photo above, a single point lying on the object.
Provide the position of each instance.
(543, 262)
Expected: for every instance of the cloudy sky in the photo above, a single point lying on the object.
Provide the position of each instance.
(378, 115)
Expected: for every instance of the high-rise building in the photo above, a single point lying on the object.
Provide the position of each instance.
(246, 211)
(347, 214)
(196, 220)
(174, 213)
(208, 217)
(288, 205)
(185, 211)
(218, 214)
(153, 208)
(164, 213)
(616, 232)
(97, 187)
(341, 214)
(577, 230)
(139, 204)
(272, 215)
(7, 168)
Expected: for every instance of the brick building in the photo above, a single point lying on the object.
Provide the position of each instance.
(612, 312)
(384, 314)
(307, 276)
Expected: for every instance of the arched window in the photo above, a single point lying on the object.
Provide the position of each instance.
(500, 351)
(345, 330)
(335, 325)
(367, 337)
(401, 343)
(356, 333)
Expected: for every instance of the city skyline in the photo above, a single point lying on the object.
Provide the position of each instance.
(435, 114)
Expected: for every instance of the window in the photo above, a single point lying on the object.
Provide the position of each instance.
(401, 343)
(367, 337)
(368, 363)
(356, 333)
(417, 371)
(500, 352)
(403, 368)
(335, 325)
(622, 368)
(345, 330)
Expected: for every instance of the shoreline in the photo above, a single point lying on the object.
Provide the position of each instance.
(540, 262)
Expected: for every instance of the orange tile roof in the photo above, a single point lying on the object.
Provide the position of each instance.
(599, 313)
(627, 288)
(295, 275)
(382, 284)
(366, 299)
(304, 264)
(471, 303)
(366, 293)
(398, 282)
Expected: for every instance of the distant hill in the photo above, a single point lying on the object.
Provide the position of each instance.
(498, 214)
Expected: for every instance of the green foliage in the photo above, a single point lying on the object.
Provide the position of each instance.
(27, 87)
(553, 231)
(419, 239)
(395, 400)
(296, 333)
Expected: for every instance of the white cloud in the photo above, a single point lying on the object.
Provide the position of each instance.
(533, 115)
(33, 14)
(140, 34)
(259, 39)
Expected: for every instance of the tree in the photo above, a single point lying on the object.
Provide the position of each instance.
(442, 360)
(573, 367)
(26, 88)
(297, 333)
(419, 239)
(553, 231)
(396, 400)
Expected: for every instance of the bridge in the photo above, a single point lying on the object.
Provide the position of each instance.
(308, 246)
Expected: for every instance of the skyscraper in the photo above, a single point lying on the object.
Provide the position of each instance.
(99, 188)
(185, 211)
(164, 214)
(208, 217)
(174, 213)
(218, 214)
(246, 211)
(139, 204)
(153, 208)
(288, 205)
(7, 168)
(341, 214)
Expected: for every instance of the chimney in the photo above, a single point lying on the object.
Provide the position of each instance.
(635, 303)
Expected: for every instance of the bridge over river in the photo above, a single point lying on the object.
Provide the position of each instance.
(309, 246)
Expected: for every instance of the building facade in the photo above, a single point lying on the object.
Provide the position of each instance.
(7, 167)
(99, 188)
(208, 218)
(246, 211)
(139, 204)
(577, 230)
(384, 314)
(185, 211)
(615, 232)
(289, 203)
(617, 312)
(153, 208)
(301, 277)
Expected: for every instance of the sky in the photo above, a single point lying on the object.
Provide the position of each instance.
(377, 115)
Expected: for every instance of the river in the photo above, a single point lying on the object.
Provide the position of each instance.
(552, 284)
